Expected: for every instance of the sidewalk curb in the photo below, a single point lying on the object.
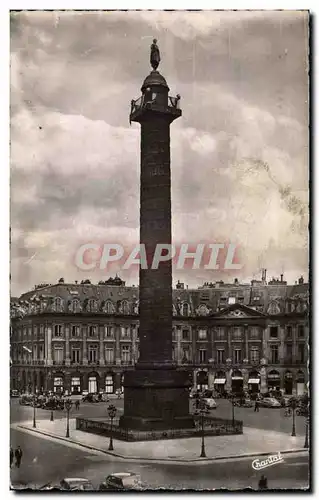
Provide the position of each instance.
(159, 460)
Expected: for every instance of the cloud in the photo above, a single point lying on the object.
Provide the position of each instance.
(239, 154)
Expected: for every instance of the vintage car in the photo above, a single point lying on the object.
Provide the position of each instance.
(76, 484)
(269, 403)
(122, 481)
(211, 403)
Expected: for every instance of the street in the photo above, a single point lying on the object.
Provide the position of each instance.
(46, 461)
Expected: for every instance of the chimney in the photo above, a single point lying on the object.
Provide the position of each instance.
(301, 280)
(281, 277)
(76, 282)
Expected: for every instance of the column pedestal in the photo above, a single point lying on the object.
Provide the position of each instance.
(156, 400)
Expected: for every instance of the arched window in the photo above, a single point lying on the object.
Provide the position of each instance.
(185, 309)
(273, 308)
(58, 305)
(108, 307)
(125, 307)
(92, 305)
(75, 306)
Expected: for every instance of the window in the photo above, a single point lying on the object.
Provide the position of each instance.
(231, 300)
(24, 331)
(108, 331)
(109, 355)
(202, 334)
(92, 331)
(126, 354)
(237, 355)
(30, 331)
(35, 331)
(202, 355)
(185, 334)
(41, 331)
(58, 305)
(220, 356)
(75, 306)
(273, 308)
(125, 307)
(75, 355)
(174, 335)
(58, 330)
(174, 353)
(254, 332)
(41, 357)
(289, 332)
(185, 309)
(186, 355)
(301, 331)
(301, 353)
(288, 353)
(92, 305)
(254, 355)
(220, 333)
(274, 354)
(109, 385)
(75, 331)
(125, 332)
(35, 353)
(92, 354)
(58, 355)
(274, 332)
(237, 331)
(108, 308)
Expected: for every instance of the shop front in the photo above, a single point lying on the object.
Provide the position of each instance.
(237, 381)
(273, 381)
(76, 384)
(254, 382)
(202, 380)
(300, 381)
(58, 384)
(288, 382)
(219, 383)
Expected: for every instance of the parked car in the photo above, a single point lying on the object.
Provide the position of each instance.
(211, 403)
(121, 481)
(269, 403)
(90, 398)
(244, 403)
(76, 484)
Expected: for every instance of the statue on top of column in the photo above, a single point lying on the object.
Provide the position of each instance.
(155, 55)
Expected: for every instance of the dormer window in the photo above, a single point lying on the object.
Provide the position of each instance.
(75, 306)
(92, 305)
(185, 309)
(125, 307)
(58, 305)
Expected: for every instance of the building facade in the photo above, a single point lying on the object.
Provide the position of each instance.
(72, 337)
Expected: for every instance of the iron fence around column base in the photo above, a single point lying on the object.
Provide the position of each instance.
(213, 427)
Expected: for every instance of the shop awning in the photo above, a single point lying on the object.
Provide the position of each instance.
(237, 378)
(219, 380)
(254, 381)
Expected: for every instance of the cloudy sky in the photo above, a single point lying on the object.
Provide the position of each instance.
(239, 153)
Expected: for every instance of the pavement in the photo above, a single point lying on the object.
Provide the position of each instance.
(252, 443)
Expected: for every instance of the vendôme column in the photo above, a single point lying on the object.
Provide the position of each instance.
(155, 394)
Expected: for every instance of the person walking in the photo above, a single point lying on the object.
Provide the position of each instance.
(257, 405)
(18, 454)
(263, 483)
(11, 456)
(77, 405)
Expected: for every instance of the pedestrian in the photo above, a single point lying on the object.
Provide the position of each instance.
(18, 455)
(11, 456)
(257, 405)
(263, 483)
(77, 404)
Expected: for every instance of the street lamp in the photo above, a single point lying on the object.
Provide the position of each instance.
(201, 410)
(34, 405)
(68, 406)
(232, 397)
(306, 445)
(112, 412)
(293, 405)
